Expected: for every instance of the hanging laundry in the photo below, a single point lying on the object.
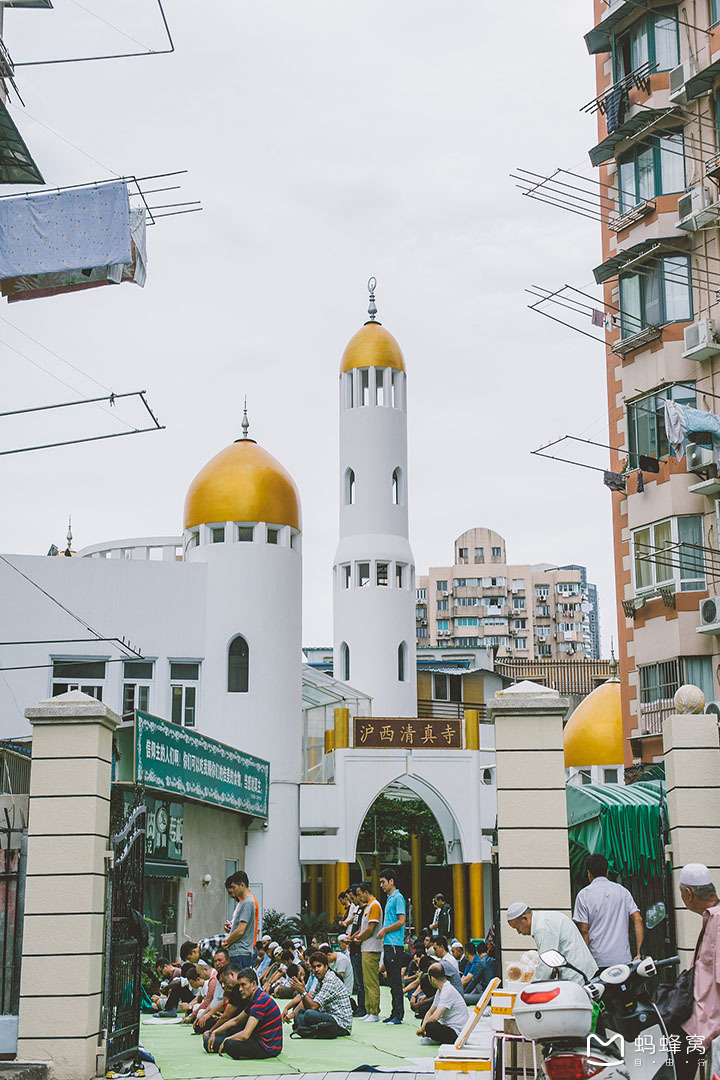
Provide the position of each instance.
(35, 286)
(640, 482)
(615, 106)
(598, 318)
(67, 230)
(682, 423)
(615, 481)
(649, 464)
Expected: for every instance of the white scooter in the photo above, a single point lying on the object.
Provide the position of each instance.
(631, 1041)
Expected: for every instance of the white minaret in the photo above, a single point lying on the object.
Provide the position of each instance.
(242, 527)
(374, 570)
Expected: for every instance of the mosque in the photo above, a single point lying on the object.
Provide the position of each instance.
(214, 662)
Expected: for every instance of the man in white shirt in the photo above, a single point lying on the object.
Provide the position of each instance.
(339, 962)
(448, 1013)
(553, 930)
(602, 910)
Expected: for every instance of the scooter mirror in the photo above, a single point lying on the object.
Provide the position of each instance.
(553, 959)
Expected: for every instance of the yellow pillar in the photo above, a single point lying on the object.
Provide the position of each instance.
(342, 881)
(375, 876)
(329, 741)
(477, 904)
(313, 872)
(472, 729)
(416, 863)
(459, 907)
(330, 889)
(342, 728)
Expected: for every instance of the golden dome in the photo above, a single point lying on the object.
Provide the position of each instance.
(594, 733)
(242, 483)
(372, 346)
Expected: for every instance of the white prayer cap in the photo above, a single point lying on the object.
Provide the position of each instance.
(342, 937)
(274, 945)
(516, 910)
(277, 951)
(455, 942)
(695, 873)
(266, 937)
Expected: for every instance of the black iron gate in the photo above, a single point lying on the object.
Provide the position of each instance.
(123, 935)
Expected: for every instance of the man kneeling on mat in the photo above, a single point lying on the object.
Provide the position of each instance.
(251, 1026)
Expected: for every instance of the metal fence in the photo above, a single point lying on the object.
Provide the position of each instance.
(572, 677)
(434, 709)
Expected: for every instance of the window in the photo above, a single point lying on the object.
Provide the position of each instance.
(245, 534)
(421, 632)
(658, 683)
(465, 601)
(669, 553)
(519, 624)
(479, 555)
(396, 389)
(610, 776)
(518, 603)
(567, 588)
(443, 624)
(521, 643)
(137, 679)
(381, 571)
(363, 574)
(194, 538)
(654, 38)
(646, 421)
(364, 386)
(346, 575)
(349, 487)
(379, 386)
(421, 594)
(542, 592)
(443, 605)
(466, 622)
(544, 650)
(496, 552)
(344, 662)
(238, 666)
(397, 490)
(217, 534)
(462, 554)
(652, 168)
(273, 535)
(349, 396)
(467, 642)
(715, 11)
(402, 662)
(542, 611)
(441, 586)
(493, 620)
(495, 642)
(518, 583)
(88, 676)
(447, 687)
(660, 294)
(421, 612)
(183, 690)
(400, 575)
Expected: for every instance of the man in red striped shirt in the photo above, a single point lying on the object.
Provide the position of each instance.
(255, 1030)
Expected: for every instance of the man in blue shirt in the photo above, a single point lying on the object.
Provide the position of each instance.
(392, 936)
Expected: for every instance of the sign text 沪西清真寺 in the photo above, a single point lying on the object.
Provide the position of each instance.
(183, 762)
(374, 732)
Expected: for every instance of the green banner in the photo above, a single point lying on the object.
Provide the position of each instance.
(183, 762)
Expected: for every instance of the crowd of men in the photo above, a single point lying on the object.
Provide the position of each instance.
(232, 987)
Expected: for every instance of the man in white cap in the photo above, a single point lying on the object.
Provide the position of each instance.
(553, 930)
(700, 896)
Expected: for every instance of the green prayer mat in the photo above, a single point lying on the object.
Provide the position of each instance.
(180, 1054)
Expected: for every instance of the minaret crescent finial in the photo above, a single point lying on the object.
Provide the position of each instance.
(245, 421)
(372, 307)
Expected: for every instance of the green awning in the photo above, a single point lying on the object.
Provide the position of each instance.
(165, 868)
(631, 125)
(625, 259)
(599, 39)
(702, 82)
(16, 164)
(621, 822)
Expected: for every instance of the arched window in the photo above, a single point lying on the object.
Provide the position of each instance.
(238, 666)
(402, 662)
(344, 662)
(397, 491)
(349, 487)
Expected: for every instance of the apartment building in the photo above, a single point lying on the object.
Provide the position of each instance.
(529, 611)
(658, 110)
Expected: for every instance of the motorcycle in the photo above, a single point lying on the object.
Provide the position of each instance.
(627, 1041)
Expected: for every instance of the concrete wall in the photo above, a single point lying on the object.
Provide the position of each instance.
(210, 835)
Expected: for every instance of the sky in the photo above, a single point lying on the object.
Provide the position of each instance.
(328, 142)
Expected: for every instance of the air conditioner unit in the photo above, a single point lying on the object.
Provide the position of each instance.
(678, 78)
(699, 458)
(710, 613)
(445, 593)
(713, 708)
(700, 342)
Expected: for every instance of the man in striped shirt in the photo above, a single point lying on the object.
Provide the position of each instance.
(255, 1030)
(330, 1002)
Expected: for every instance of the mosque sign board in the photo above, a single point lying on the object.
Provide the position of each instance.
(401, 732)
(185, 763)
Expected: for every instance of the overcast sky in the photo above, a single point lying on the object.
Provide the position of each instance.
(328, 141)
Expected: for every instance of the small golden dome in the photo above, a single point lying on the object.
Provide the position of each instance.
(594, 733)
(372, 346)
(242, 483)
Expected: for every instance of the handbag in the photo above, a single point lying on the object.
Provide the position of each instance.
(675, 1003)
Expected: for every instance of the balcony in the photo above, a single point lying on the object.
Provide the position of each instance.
(640, 122)
(436, 709)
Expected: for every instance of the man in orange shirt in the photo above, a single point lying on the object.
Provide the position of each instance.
(370, 948)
